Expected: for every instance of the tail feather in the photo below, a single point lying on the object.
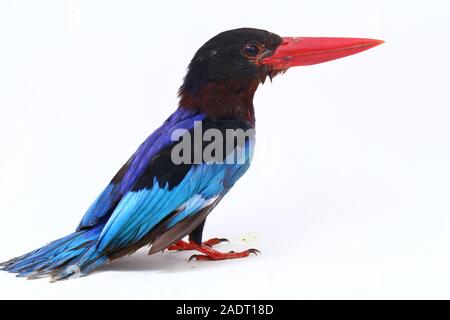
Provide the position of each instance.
(71, 256)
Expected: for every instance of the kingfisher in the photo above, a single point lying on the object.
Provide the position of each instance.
(165, 192)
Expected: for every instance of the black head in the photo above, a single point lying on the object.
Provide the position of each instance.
(226, 71)
(231, 55)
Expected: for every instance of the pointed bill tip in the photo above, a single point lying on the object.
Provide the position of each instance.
(304, 51)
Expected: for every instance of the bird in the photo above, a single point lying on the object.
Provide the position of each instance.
(163, 193)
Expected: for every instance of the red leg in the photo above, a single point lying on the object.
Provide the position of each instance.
(211, 254)
(183, 245)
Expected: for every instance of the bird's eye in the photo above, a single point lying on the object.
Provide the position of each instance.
(251, 50)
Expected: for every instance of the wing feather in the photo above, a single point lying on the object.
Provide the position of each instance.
(134, 168)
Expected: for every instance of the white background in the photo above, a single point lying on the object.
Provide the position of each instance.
(348, 195)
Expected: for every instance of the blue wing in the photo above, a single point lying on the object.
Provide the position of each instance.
(143, 210)
(151, 200)
(127, 176)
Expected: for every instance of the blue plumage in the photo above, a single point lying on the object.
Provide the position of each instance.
(143, 199)
(133, 169)
(76, 248)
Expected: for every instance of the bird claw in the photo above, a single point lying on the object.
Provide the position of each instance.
(223, 256)
(215, 241)
(183, 246)
(254, 251)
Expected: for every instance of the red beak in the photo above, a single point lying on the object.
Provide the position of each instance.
(305, 51)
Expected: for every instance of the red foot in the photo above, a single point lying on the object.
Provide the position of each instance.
(211, 254)
(183, 245)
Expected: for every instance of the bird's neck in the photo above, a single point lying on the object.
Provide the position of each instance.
(222, 100)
